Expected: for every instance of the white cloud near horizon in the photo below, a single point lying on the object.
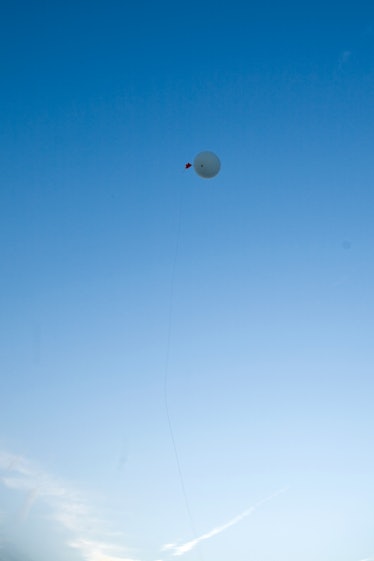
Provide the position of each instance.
(184, 548)
(66, 505)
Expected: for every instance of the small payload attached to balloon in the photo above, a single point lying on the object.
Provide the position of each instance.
(206, 164)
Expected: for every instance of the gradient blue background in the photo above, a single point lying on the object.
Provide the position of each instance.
(270, 372)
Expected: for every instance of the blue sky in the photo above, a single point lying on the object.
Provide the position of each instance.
(270, 363)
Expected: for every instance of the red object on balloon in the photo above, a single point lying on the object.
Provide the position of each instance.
(188, 165)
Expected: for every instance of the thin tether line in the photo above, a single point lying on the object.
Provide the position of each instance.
(167, 363)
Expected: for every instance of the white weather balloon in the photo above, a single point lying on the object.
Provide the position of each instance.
(207, 164)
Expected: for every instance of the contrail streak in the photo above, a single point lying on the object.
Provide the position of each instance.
(184, 548)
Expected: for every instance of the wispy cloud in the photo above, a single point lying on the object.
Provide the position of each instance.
(345, 57)
(66, 505)
(184, 548)
(342, 63)
(28, 504)
(98, 551)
